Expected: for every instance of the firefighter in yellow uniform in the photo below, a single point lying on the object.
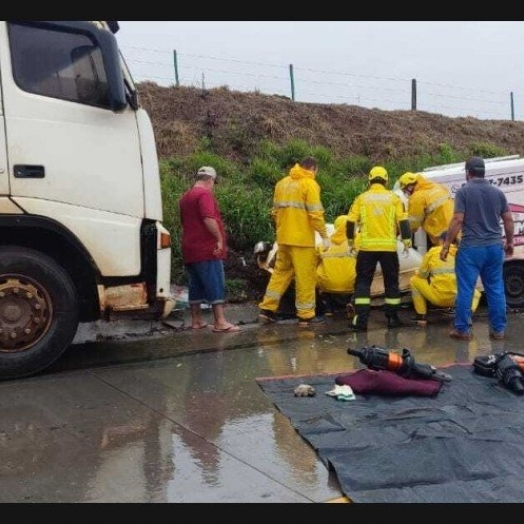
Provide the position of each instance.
(336, 270)
(298, 213)
(430, 205)
(436, 283)
(378, 214)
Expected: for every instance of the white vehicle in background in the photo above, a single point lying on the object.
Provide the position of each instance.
(506, 173)
(81, 234)
(409, 262)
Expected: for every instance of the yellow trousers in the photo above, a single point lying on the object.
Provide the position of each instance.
(423, 292)
(293, 262)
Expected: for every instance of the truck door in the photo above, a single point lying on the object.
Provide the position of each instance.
(66, 147)
(4, 179)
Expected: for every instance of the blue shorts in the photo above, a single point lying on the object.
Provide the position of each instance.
(207, 282)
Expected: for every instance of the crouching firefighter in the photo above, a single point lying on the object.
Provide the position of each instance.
(378, 214)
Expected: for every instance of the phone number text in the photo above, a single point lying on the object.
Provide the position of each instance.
(509, 180)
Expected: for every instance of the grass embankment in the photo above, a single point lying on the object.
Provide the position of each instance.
(245, 191)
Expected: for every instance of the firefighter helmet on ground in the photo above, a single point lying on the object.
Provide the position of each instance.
(378, 172)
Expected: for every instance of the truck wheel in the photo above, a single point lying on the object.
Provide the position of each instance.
(38, 311)
(514, 284)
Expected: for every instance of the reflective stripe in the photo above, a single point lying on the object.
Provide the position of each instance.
(294, 205)
(443, 271)
(298, 205)
(315, 207)
(273, 294)
(380, 242)
(362, 301)
(431, 207)
(392, 301)
(303, 305)
(378, 197)
(415, 219)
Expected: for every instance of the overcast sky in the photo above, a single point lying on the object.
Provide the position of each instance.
(461, 68)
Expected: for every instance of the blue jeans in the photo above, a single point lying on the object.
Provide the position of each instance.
(206, 282)
(486, 262)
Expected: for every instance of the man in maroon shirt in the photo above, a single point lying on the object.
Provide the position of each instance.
(204, 249)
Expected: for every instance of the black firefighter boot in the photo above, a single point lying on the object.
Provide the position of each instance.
(359, 322)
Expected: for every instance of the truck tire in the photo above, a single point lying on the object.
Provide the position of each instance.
(514, 284)
(39, 311)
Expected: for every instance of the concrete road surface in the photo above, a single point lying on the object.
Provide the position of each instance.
(174, 415)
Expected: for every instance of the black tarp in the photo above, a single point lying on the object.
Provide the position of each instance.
(466, 444)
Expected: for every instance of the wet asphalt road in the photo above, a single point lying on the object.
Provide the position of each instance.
(174, 415)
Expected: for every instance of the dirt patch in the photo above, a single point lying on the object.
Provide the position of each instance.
(238, 121)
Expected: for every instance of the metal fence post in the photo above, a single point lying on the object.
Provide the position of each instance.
(175, 61)
(292, 82)
(413, 94)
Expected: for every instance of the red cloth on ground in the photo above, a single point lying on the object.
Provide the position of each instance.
(388, 383)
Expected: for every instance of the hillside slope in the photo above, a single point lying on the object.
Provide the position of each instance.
(238, 121)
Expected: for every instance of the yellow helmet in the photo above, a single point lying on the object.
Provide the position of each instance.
(340, 222)
(407, 179)
(378, 172)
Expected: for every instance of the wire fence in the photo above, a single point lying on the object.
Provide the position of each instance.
(168, 68)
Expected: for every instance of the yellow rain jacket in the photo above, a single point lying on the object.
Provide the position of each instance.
(431, 207)
(297, 209)
(298, 212)
(336, 270)
(435, 282)
(377, 219)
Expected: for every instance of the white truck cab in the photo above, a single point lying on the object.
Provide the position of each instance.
(506, 173)
(81, 234)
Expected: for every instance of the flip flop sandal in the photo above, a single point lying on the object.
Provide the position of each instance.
(230, 329)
